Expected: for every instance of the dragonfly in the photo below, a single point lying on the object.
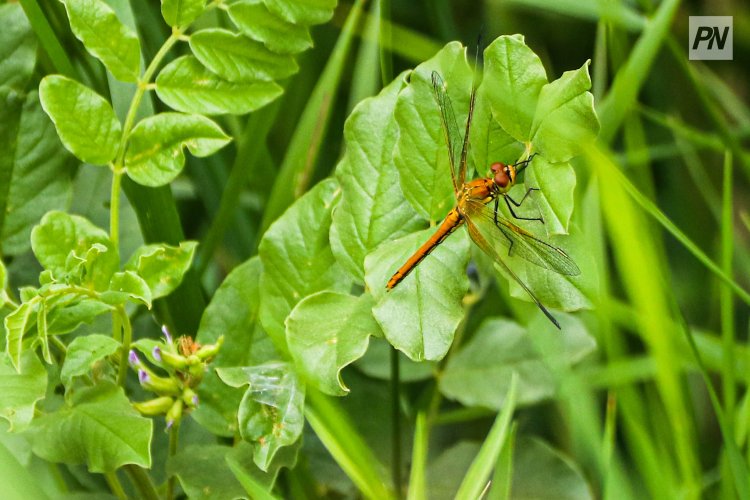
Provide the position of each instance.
(477, 208)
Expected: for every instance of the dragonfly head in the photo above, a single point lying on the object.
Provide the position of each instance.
(503, 175)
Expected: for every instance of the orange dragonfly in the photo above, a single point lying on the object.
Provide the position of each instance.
(488, 228)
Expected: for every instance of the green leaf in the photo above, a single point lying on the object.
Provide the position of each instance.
(326, 332)
(239, 59)
(181, 13)
(4, 299)
(253, 19)
(186, 85)
(155, 147)
(126, 285)
(489, 142)
(203, 472)
(95, 24)
(565, 120)
(40, 172)
(84, 353)
(98, 428)
(84, 120)
(515, 77)
(302, 11)
(297, 258)
(41, 332)
(271, 413)
(233, 313)
(372, 207)
(16, 325)
(480, 373)
(162, 266)
(479, 472)
(539, 471)
(421, 154)
(73, 248)
(554, 199)
(17, 48)
(22, 384)
(257, 483)
(66, 318)
(420, 315)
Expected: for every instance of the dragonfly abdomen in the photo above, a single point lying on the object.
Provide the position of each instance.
(449, 224)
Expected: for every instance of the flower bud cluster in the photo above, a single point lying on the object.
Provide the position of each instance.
(185, 362)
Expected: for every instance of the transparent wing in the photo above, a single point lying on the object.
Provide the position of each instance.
(453, 137)
(480, 238)
(518, 241)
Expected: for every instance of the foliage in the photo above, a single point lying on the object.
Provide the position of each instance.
(459, 365)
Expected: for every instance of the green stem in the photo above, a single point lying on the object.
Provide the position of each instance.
(114, 484)
(174, 433)
(142, 482)
(396, 422)
(725, 294)
(127, 337)
(114, 209)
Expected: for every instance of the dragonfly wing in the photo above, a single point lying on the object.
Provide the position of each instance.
(453, 137)
(479, 237)
(519, 242)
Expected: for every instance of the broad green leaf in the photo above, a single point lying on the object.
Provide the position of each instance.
(239, 59)
(569, 293)
(253, 19)
(326, 332)
(186, 85)
(489, 142)
(514, 76)
(20, 389)
(257, 483)
(67, 317)
(553, 201)
(565, 120)
(303, 12)
(4, 299)
(17, 48)
(155, 147)
(126, 285)
(480, 373)
(95, 24)
(180, 13)
(271, 413)
(539, 471)
(40, 175)
(421, 154)
(68, 245)
(84, 353)
(84, 120)
(162, 266)
(233, 313)
(372, 207)
(203, 472)
(297, 258)
(97, 427)
(16, 325)
(420, 315)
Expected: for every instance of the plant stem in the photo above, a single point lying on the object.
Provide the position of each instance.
(127, 337)
(114, 209)
(142, 482)
(174, 435)
(396, 422)
(114, 484)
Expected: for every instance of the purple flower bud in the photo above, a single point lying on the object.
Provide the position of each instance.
(156, 353)
(166, 333)
(195, 399)
(169, 424)
(142, 376)
(133, 359)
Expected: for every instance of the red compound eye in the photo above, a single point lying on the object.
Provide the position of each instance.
(501, 177)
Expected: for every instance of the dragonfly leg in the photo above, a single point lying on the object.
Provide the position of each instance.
(509, 200)
(510, 240)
